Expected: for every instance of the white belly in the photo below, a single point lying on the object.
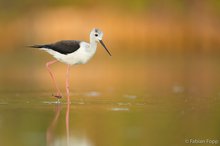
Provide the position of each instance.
(80, 56)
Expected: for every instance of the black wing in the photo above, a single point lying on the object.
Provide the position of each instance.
(63, 47)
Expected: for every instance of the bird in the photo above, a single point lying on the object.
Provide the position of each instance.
(71, 52)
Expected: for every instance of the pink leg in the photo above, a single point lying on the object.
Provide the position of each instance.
(58, 94)
(68, 104)
(67, 84)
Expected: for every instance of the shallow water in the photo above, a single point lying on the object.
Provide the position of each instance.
(95, 118)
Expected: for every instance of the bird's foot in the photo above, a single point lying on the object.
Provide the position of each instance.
(57, 96)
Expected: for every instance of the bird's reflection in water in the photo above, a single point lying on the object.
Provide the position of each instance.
(67, 123)
(50, 129)
(51, 140)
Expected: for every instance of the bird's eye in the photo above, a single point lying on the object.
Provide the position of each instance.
(96, 35)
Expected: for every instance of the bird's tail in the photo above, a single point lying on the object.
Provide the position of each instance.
(37, 46)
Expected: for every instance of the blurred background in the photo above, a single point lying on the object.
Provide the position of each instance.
(165, 44)
(165, 62)
(155, 44)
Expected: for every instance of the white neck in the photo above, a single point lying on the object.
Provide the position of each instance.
(93, 43)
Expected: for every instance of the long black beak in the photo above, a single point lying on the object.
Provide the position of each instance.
(101, 42)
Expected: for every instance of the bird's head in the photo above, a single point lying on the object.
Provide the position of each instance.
(97, 34)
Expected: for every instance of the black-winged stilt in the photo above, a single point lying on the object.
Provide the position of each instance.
(72, 52)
